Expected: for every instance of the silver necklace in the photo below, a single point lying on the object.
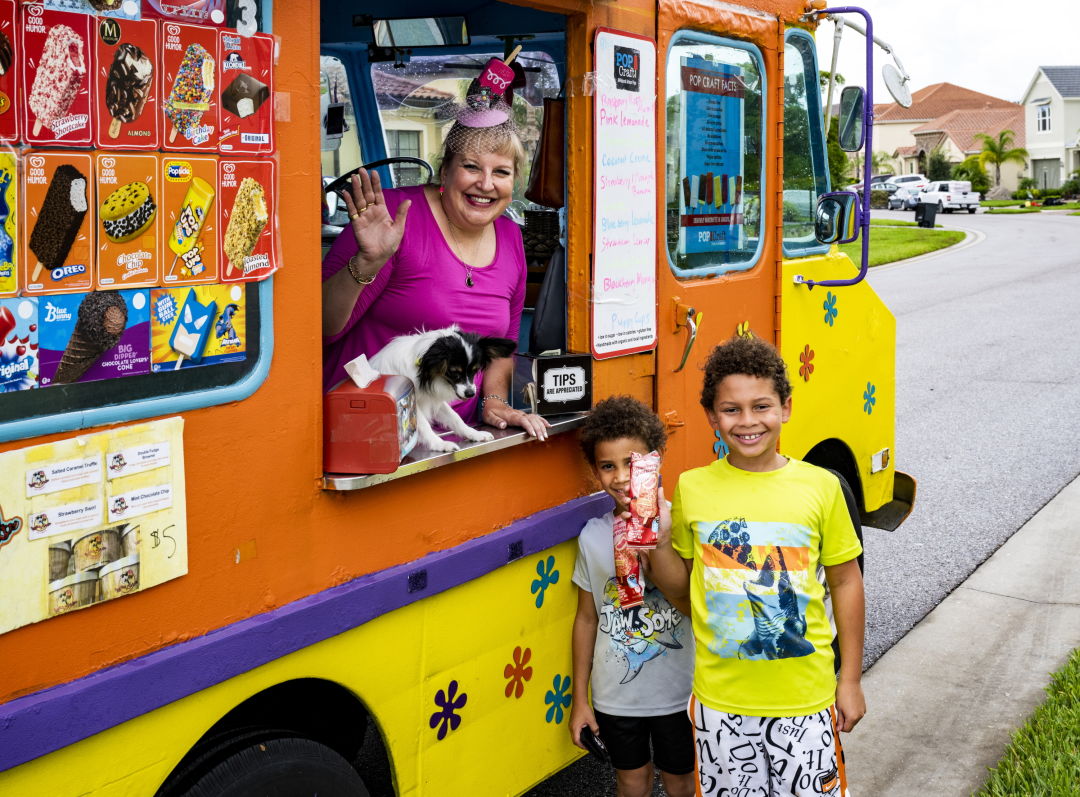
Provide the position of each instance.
(460, 251)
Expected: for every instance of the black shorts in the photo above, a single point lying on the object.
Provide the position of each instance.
(627, 740)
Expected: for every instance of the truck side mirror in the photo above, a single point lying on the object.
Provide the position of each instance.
(852, 109)
(834, 220)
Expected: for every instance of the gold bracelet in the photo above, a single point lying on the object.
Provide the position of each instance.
(360, 279)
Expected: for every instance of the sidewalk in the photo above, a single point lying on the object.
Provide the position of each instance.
(943, 702)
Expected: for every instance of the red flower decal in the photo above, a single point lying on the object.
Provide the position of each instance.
(518, 672)
(807, 367)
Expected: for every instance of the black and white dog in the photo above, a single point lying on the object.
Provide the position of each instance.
(443, 364)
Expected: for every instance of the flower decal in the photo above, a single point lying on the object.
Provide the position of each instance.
(869, 400)
(548, 576)
(807, 366)
(830, 308)
(743, 330)
(719, 447)
(449, 702)
(558, 698)
(518, 672)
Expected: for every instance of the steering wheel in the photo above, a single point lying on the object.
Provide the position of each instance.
(339, 185)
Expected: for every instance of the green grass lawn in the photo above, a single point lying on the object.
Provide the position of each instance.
(1044, 757)
(1001, 203)
(888, 245)
(1013, 210)
(891, 223)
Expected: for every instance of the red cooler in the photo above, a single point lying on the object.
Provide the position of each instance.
(368, 429)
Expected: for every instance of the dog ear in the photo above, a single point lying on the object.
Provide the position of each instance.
(432, 364)
(494, 348)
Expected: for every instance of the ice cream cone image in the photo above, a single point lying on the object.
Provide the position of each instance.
(100, 323)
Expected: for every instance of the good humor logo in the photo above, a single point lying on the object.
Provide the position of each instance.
(627, 68)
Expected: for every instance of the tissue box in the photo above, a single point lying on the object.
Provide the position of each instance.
(368, 429)
(563, 382)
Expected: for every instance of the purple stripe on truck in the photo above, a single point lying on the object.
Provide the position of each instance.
(54, 718)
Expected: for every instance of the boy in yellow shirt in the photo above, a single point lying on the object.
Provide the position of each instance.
(747, 535)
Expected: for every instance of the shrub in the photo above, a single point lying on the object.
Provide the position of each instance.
(972, 171)
(938, 166)
(879, 199)
(1071, 187)
(1026, 184)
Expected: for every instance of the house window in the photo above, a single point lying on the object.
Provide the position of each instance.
(404, 143)
(1042, 118)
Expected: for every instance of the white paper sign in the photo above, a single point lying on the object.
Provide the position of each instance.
(62, 519)
(139, 502)
(564, 384)
(624, 231)
(52, 477)
(137, 459)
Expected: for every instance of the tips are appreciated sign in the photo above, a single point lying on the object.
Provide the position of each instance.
(624, 231)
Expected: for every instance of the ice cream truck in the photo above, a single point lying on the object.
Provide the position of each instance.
(193, 603)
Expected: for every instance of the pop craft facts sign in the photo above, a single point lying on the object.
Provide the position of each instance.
(624, 231)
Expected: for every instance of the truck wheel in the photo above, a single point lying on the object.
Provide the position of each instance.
(940, 207)
(284, 767)
(972, 210)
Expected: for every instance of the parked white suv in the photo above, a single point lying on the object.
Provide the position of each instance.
(916, 182)
(950, 195)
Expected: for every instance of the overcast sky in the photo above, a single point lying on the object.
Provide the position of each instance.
(990, 46)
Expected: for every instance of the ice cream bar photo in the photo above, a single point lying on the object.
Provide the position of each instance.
(189, 223)
(128, 86)
(686, 191)
(718, 189)
(101, 321)
(127, 212)
(192, 89)
(244, 96)
(695, 190)
(246, 222)
(59, 219)
(60, 75)
(726, 186)
(5, 54)
(192, 328)
(738, 189)
(709, 195)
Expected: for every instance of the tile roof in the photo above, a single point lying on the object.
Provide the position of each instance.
(963, 125)
(1066, 79)
(933, 101)
(391, 91)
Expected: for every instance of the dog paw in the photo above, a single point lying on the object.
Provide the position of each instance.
(480, 437)
(443, 446)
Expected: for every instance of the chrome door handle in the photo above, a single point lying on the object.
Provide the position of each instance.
(691, 321)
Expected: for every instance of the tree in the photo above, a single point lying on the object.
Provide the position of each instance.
(937, 165)
(838, 160)
(880, 162)
(972, 170)
(999, 149)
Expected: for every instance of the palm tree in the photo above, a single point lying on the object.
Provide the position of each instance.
(998, 150)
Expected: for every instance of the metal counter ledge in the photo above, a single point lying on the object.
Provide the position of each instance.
(420, 460)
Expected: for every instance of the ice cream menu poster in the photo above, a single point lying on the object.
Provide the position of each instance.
(710, 196)
(624, 231)
(91, 519)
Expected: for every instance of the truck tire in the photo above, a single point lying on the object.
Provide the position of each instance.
(284, 767)
(972, 210)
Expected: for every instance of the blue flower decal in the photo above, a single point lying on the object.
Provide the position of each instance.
(548, 576)
(830, 308)
(449, 702)
(869, 400)
(558, 697)
(719, 447)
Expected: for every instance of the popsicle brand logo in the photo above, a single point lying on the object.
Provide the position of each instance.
(172, 30)
(37, 162)
(108, 163)
(178, 171)
(9, 370)
(228, 168)
(109, 31)
(63, 272)
(627, 68)
(35, 11)
(233, 61)
(54, 313)
(230, 42)
(5, 102)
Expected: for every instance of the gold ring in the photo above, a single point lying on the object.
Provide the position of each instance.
(365, 207)
(354, 216)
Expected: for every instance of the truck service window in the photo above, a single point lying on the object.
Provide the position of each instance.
(806, 173)
(714, 179)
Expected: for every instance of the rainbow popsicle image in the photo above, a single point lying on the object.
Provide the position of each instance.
(60, 75)
(191, 92)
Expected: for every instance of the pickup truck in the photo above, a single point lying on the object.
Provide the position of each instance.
(950, 195)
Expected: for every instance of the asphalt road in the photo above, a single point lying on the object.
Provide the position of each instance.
(988, 408)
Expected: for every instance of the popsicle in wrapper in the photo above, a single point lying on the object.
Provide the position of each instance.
(59, 220)
(101, 321)
(641, 529)
(189, 223)
(192, 329)
(128, 86)
(59, 76)
(191, 91)
(5, 54)
(246, 223)
(629, 581)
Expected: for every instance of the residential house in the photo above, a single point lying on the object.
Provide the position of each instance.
(894, 124)
(1052, 116)
(956, 134)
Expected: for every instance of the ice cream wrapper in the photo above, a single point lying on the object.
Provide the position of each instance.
(118, 9)
(18, 344)
(9, 227)
(126, 85)
(128, 356)
(213, 315)
(199, 12)
(128, 220)
(188, 95)
(629, 580)
(189, 208)
(642, 528)
(11, 79)
(57, 70)
(246, 86)
(57, 249)
(248, 232)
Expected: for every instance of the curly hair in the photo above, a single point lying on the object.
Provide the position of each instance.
(748, 356)
(618, 417)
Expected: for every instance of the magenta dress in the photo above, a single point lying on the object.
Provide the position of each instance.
(422, 287)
